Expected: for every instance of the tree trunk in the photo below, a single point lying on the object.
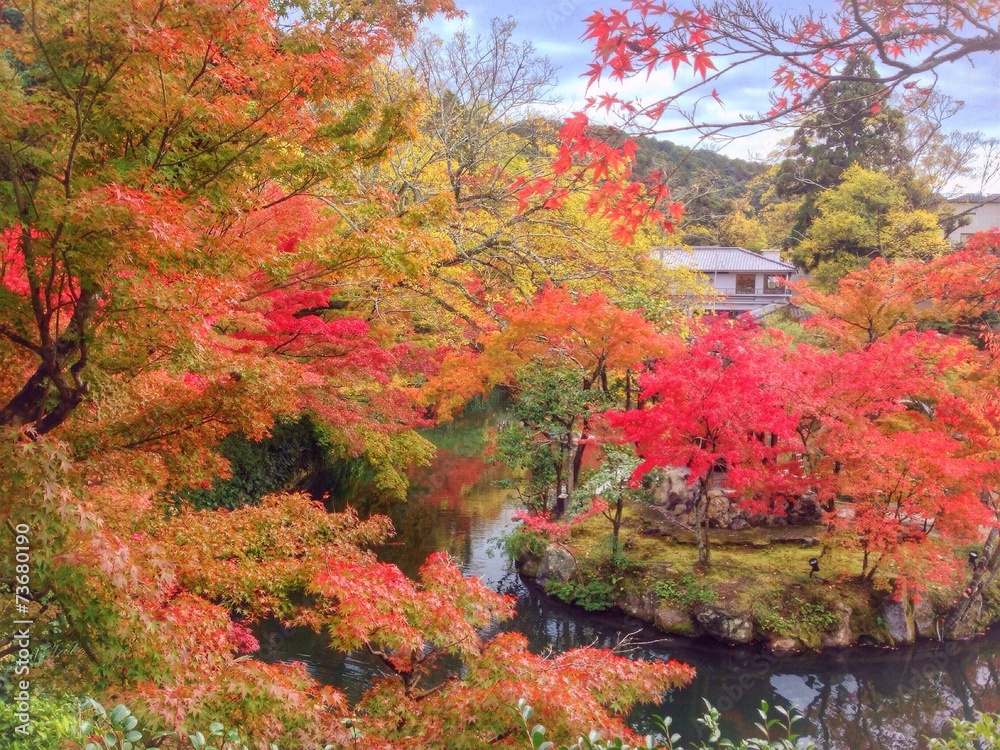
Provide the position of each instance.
(580, 448)
(570, 472)
(984, 570)
(701, 523)
(616, 525)
(30, 405)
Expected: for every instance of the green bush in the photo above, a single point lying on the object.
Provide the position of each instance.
(683, 591)
(981, 734)
(593, 595)
(795, 616)
(295, 452)
(53, 719)
(520, 541)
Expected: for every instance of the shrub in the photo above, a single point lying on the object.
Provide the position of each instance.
(593, 595)
(683, 591)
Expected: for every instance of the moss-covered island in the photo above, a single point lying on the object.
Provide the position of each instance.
(759, 588)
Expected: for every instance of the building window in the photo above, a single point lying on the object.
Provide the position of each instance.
(775, 285)
(746, 283)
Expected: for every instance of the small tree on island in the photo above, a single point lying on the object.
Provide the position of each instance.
(610, 487)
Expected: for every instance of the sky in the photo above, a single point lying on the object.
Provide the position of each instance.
(555, 28)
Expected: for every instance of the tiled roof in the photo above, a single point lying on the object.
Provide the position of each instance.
(710, 258)
(975, 198)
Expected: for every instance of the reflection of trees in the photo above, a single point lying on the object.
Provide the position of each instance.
(450, 479)
(447, 500)
(858, 699)
(890, 699)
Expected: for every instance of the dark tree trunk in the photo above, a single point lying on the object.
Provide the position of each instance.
(701, 523)
(984, 570)
(30, 405)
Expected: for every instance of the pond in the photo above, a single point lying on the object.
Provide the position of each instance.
(860, 698)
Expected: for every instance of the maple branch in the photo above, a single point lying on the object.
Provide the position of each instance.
(11, 334)
(442, 303)
(208, 419)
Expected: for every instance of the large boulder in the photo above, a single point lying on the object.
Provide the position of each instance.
(674, 489)
(805, 511)
(673, 620)
(557, 562)
(731, 627)
(926, 619)
(969, 625)
(721, 510)
(898, 617)
(641, 605)
(527, 563)
(839, 635)
(785, 645)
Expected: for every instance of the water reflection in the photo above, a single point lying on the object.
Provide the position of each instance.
(860, 698)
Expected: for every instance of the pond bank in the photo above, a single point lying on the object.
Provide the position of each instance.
(778, 588)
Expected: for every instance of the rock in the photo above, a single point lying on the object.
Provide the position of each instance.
(527, 564)
(969, 625)
(674, 489)
(720, 510)
(925, 619)
(640, 605)
(898, 617)
(805, 511)
(739, 524)
(840, 634)
(785, 645)
(674, 620)
(557, 562)
(731, 627)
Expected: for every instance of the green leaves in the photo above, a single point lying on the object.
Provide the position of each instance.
(775, 733)
(982, 733)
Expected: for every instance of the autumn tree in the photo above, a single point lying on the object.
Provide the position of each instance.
(939, 158)
(571, 355)
(810, 52)
(480, 168)
(810, 55)
(891, 446)
(719, 409)
(154, 257)
(897, 423)
(189, 222)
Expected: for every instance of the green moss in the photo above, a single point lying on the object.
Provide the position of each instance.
(520, 541)
(772, 582)
(804, 616)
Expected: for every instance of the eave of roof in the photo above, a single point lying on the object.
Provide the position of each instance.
(718, 259)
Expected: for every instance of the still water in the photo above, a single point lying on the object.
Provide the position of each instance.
(860, 698)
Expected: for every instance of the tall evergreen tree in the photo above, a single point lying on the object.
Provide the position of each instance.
(854, 126)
